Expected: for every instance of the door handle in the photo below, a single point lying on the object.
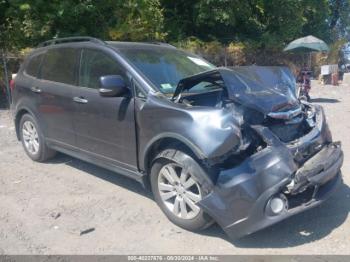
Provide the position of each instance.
(80, 99)
(35, 89)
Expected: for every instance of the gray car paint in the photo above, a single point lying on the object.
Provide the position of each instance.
(208, 132)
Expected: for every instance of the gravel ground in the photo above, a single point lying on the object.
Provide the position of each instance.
(45, 207)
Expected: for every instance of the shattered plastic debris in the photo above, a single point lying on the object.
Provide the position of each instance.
(87, 231)
(304, 233)
(55, 215)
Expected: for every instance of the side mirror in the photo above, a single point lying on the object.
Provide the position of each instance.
(112, 85)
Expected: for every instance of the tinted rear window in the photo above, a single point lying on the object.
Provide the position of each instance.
(60, 65)
(33, 65)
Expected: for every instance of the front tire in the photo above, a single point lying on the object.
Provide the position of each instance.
(33, 141)
(178, 183)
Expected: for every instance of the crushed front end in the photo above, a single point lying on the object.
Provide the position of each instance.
(277, 157)
(285, 176)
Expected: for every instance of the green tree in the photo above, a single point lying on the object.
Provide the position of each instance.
(268, 23)
(33, 21)
(260, 23)
(179, 18)
(339, 19)
(137, 20)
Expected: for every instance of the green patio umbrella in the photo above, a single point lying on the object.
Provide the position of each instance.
(307, 44)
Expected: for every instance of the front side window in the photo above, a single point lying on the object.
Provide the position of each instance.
(95, 64)
(33, 66)
(60, 65)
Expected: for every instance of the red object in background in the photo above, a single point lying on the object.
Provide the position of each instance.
(12, 84)
(335, 79)
(304, 80)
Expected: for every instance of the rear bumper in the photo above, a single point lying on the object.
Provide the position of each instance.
(240, 199)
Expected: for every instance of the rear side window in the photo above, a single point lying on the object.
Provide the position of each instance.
(33, 65)
(60, 65)
(95, 64)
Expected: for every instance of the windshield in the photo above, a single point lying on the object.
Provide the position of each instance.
(165, 67)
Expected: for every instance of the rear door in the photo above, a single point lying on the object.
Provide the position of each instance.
(105, 126)
(58, 76)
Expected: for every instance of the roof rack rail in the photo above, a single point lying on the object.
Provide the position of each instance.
(161, 43)
(71, 39)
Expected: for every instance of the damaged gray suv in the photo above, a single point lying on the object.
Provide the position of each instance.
(231, 146)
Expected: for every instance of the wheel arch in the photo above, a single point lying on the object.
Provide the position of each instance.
(166, 141)
(19, 114)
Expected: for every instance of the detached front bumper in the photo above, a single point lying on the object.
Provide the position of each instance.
(240, 200)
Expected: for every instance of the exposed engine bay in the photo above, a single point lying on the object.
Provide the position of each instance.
(262, 96)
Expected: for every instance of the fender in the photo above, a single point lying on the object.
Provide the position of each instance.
(145, 152)
(24, 106)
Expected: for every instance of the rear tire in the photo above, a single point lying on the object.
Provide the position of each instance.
(33, 141)
(178, 182)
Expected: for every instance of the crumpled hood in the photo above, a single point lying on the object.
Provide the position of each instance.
(267, 89)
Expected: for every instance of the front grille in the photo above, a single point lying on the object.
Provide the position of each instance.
(301, 198)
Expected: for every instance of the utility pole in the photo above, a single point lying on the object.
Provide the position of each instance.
(225, 56)
(8, 92)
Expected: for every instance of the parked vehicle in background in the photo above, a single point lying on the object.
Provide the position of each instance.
(232, 146)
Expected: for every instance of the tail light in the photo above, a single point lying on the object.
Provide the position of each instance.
(12, 84)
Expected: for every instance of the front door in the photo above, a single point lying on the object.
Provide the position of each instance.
(104, 126)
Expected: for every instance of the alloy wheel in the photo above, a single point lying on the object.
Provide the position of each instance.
(179, 191)
(30, 137)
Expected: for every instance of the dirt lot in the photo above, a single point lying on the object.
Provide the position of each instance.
(44, 207)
